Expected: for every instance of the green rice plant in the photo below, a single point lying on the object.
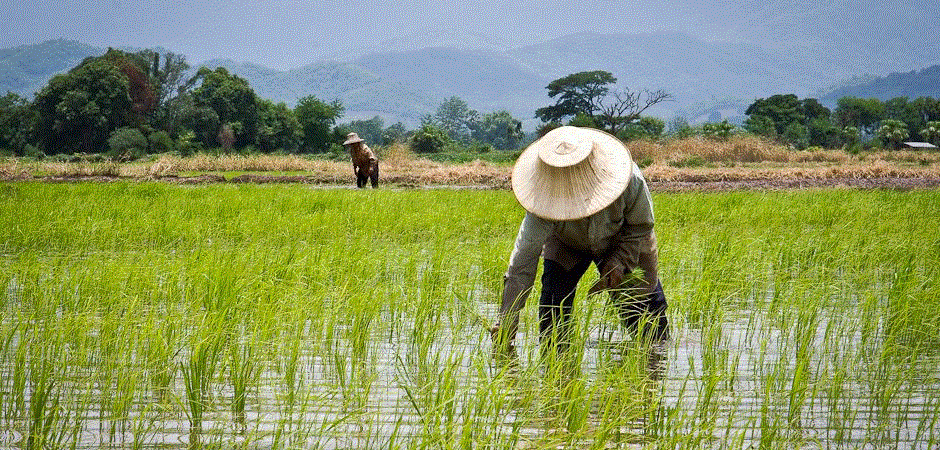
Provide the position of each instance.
(800, 319)
(244, 372)
(199, 372)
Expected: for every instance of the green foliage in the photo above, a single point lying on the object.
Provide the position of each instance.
(583, 120)
(127, 144)
(429, 139)
(14, 123)
(860, 113)
(576, 93)
(799, 123)
(371, 130)
(761, 126)
(232, 100)
(79, 110)
(317, 119)
(718, 130)
(395, 132)
(893, 133)
(931, 133)
(679, 128)
(644, 127)
(160, 142)
(499, 129)
(278, 128)
(455, 118)
(781, 109)
(796, 135)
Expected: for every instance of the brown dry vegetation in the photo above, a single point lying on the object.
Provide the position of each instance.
(693, 163)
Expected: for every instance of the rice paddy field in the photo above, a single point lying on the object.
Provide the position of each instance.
(145, 315)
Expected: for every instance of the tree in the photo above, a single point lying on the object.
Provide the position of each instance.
(782, 110)
(931, 132)
(14, 123)
(278, 128)
(644, 127)
(576, 93)
(624, 108)
(232, 99)
(455, 118)
(500, 130)
(127, 144)
(394, 133)
(893, 132)
(718, 130)
(861, 113)
(78, 110)
(370, 130)
(429, 139)
(316, 119)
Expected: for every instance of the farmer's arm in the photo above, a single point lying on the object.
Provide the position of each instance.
(634, 239)
(638, 216)
(519, 277)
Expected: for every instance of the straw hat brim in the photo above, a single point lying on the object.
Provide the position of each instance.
(353, 141)
(571, 190)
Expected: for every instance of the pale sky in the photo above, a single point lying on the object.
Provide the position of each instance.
(290, 33)
(284, 34)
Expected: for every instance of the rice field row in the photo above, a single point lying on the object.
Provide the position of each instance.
(147, 315)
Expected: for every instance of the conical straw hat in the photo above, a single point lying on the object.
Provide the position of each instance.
(571, 173)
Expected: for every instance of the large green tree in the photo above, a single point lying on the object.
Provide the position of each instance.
(455, 117)
(79, 110)
(861, 113)
(317, 119)
(580, 92)
(278, 128)
(232, 100)
(499, 129)
(370, 130)
(14, 123)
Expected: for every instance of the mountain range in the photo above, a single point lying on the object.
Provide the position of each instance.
(402, 80)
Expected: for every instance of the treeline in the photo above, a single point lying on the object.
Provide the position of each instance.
(854, 123)
(125, 105)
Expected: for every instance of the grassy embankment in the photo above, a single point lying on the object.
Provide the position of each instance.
(692, 160)
(138, 314)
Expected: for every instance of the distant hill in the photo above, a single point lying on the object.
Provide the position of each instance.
(26, 69)
(706, 79)
(913, 84)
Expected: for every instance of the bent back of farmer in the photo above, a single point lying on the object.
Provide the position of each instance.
(586, 202)
(365, 164)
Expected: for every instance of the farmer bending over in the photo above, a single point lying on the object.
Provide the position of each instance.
(586, 201)
(365, 164)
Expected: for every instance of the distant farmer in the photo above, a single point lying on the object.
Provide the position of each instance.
(365, 164)
(586, 201)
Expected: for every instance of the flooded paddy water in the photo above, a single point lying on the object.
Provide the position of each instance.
(279, 317)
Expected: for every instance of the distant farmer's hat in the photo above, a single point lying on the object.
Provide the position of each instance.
(571, 173)
(352, 138)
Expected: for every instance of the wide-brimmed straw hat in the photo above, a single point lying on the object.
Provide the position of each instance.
(352, 138)
(571, 173)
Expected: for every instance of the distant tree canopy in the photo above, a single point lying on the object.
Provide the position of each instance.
(80, 109)
(585, 99)
(806, 122)
(317, 119)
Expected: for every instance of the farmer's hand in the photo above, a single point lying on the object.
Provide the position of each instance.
(503, 349)
(611, 278)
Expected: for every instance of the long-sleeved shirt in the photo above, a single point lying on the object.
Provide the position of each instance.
(629, 219)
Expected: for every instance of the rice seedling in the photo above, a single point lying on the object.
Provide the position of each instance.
(280, 316)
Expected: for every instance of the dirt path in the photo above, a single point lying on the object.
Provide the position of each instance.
(485, 182)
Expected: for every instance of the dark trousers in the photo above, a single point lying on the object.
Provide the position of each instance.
(557, 298)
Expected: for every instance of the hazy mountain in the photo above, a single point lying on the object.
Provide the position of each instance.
(27, 68)
(704, 76)
(913, 84)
